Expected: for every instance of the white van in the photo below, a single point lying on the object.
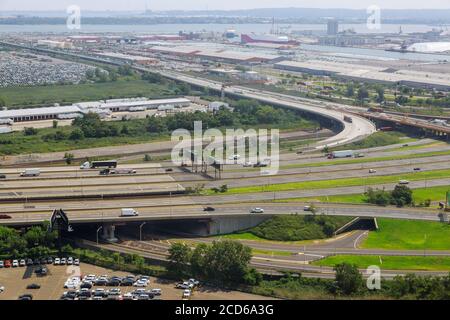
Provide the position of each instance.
(128, 212)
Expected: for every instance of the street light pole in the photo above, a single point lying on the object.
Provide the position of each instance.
(140, 230)
(98, 230)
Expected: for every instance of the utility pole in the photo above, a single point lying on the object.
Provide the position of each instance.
(140, 230)
(98, 230)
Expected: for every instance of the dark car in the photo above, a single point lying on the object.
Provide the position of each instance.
(105, 172)
(42, 271)
(37, 262)
(86, 285)
(33, 286)
(416, 169)
(26, 296)
(2, 176)
(49, 260)
(127, 282)
(100, 282)
(4, 216)
(29, 262)
(43, 261)
(113, 283)
(169, 170)
(209, 209)
(71, 294)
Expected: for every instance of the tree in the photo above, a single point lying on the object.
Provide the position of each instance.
(402, 195)
(350, 90)
(363, 94)
(147, 158)
(179, 257)
(378, 197)
(380, 94)
(348, 278)
(55, 124)
(68, 157)
(76, 134)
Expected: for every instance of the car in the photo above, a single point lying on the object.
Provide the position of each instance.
(42, 271)
(43, 261)
(140, 283)
(403, 182)
(85, 293)
(128, 296)
(156, 292)
(2, 176)
(372, 171)
(169, 170)
(7, 263)
(2, 289)
(70, 294)
(417, 169)
(76, 262)
(2, 264)
(257, 210)
(100, 282)
(144, 296)
(29, 262)
(248, 164)
(57, 262)
(70, 261)
(194, 282)
(127, 282)
(97, 298)
(5, 216)
(186, 294)
(307, 208)
(86, 285)
(185, 285)
(15, 263)
(22, 263)
(209, 209)
(33, 286)
(26, 296)
(49, 260)
(63, 261)
(113, 283)
(104, 172)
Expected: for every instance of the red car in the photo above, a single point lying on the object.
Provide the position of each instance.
(4, 216)
(7, 263)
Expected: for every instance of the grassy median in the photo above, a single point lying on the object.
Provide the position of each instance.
(390, 262)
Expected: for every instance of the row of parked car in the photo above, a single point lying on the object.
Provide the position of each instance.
(29, 262)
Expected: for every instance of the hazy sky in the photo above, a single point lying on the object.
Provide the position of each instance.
(215, 4)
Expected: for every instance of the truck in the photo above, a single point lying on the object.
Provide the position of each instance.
(30, 173)
(129, 212)
(99, 164)
(341, 154)
(348, 119)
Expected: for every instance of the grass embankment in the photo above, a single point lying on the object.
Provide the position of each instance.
(390, 262)
(420, 195)
(292, 228)
(367, 160)
(378, 139)
(347, 182)
(396, 234)
(65, 94)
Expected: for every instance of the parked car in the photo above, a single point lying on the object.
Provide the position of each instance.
(49, 260)
(57, 262)
(86, 284)
(127, 282)
(2, 176)
(26, 296)
(70, 261)
(33, 286)
(63, 261)
(22, 263)
(186, 294)
(7, 263)
(15, 263)
(169, 170)
(29, 262)
(2, 264)
(2, 289)
(156, 292)
(76, 262)
(37, 262)
(42, 271)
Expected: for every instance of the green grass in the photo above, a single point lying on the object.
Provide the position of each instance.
(271, 252)
(65, 94)
(378, 139)
(434, 194)
(390, 262)
(346, 182)
(420, 146)
(367, 160)
(409, 235)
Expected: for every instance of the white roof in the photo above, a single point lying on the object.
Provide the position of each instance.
(9, 114)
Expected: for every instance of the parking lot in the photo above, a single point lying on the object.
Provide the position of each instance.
(16, 280)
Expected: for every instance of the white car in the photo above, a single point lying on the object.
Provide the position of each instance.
(247, 164)
(128, 296)
(15, 263)
(403, 182)
(57, 262)
(97, 298)
(63, 261)
(257, 210)
(76, 262)
(140, 283)
(22, 263)
(69, 260)
(186, 294)
(194, 282)
(156, 292)
(2, 289)
(372, 171)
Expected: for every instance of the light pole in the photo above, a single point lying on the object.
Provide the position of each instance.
(140, 230)
(98, 230)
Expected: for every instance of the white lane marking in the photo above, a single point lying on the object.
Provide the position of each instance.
(355, 243)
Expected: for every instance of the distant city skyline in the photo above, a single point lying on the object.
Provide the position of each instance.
(157, 5)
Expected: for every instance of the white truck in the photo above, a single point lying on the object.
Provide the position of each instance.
(30, 173)
(129, 212)
(342, 154)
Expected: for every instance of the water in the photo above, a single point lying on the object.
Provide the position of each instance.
(240, 28)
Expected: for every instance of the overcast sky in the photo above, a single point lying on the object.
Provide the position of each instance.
(125, 5)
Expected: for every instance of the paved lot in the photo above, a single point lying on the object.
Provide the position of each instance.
(15, 281)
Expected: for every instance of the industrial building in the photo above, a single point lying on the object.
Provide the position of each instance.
(439, 81)
(101, 107)
(129, 58)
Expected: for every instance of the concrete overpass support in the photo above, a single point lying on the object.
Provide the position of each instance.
(224, 225)
(109, 233)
